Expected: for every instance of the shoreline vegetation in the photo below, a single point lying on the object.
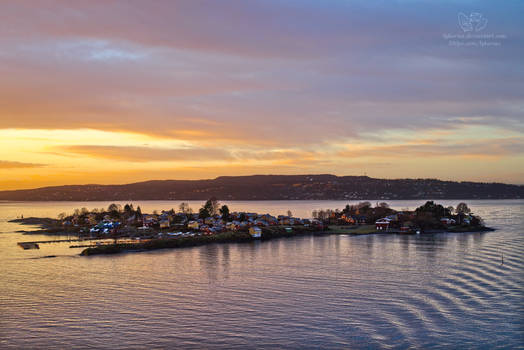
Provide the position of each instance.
(120, 229)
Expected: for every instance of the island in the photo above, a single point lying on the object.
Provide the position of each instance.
(118, 229)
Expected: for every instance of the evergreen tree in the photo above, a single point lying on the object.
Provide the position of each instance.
(224, 211)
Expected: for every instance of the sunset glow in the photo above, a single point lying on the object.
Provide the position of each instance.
(90, 97)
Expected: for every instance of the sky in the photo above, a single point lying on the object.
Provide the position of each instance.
(124, 91)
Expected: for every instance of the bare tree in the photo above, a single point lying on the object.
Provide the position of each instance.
(183, 207)
(462, 208)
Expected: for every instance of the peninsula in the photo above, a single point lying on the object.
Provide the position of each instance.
(125, 228)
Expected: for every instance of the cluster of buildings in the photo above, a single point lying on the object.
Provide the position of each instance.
(353, 219)
(106, 226)
(239, 221)
(403, 223)
(250, 222)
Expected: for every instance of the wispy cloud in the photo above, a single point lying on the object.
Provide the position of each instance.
(5, 164)
(482, 148)
(146, 154)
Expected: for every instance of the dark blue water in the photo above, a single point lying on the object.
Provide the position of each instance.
(331, 292)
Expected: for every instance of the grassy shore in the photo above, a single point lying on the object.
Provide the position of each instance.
(354, 230)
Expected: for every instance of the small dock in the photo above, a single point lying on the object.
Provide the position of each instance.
(36, 244)
(120, 241)
(82, 242)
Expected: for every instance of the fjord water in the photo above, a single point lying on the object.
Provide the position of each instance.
(375, 291)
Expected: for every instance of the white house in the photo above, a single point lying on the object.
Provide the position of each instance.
(256, 232)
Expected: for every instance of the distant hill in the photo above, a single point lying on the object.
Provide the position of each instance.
(274, 187)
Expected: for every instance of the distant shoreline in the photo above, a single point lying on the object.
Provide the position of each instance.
(263, 200)
(274, 187)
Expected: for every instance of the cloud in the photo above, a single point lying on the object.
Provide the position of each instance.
(440, 148)
(5, 164)
(146, 154)
(286, 72)
(278, 84)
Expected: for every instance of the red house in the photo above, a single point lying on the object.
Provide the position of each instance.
(382, 224)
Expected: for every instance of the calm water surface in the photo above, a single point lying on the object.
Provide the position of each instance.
(332, 292)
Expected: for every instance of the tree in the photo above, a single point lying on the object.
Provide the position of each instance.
(314, 214)
(451, 209)
(114, 208)
(383, 205)
(224, 211)
(289, 213)
(426, 220)
(61, 216)
(429, 215)
(212, 206)
(462, 208)
(184, 208)
(203, 213)
(138, 213)
(364, 205)
(128, 208)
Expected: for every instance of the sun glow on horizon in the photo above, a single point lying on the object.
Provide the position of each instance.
(147, 94)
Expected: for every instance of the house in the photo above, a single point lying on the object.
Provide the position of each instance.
(255, 231)
(193, 225)
(261, 223)
(382, 224)
(392, 217)
(447, 221)
(148, 220)
(360, 219)
(348, 219)
(233, 225)
(317, 224)
(164, 223)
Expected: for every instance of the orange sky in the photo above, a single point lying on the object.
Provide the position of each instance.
(117, 92)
